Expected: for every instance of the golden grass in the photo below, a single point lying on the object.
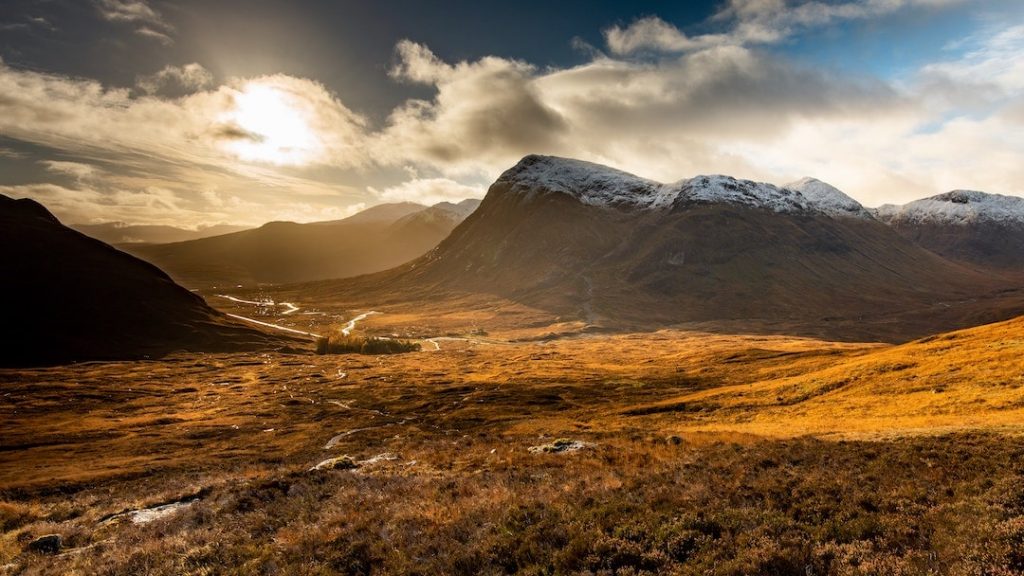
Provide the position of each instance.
(465, 495)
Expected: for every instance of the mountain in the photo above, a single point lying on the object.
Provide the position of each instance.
(965, 225)
(829, 199)
(436, 221)
(121, 233)
(71, 297)
(589, 242)
(381, 213)
(283, 252)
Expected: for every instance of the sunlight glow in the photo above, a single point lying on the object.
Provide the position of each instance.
(274, 127)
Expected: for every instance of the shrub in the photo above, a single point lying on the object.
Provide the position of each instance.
(346, 344)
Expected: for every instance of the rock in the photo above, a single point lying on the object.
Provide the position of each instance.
(46, 544)
(337, 463)
(385, 457)
(559, 446)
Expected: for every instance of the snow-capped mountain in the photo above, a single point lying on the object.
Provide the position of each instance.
(966, 225)
(959, 207)
(595, 244)
(828, 199)
(597, 185)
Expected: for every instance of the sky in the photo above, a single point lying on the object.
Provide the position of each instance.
(198, 112)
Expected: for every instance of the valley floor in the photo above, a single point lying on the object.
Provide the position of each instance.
(668, 452)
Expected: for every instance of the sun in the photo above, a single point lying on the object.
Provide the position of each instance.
(271, 125)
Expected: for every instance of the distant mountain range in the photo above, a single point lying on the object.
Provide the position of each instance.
(72, 298)
(121, 233)
(594, 243)
(282, 252)
(965, 225)
(582, 241)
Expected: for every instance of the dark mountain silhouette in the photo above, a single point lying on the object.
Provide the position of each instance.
(72, 298)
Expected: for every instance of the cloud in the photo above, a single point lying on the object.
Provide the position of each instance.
(481, 111)
(148, 32)
(12, 154)
(176, 79)
(188, 144)
(662, 105)
(653, 33)
(148, 22)
(77, 170)
(992, 68)
(749, 22)
(41, 22)
(85, 117)
(666, 116)
(428, 191)
(87, 204)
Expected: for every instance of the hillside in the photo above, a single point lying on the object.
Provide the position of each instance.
(588, 242)
(967, 378)
(279, 252)
(75, 298)
(969, 226)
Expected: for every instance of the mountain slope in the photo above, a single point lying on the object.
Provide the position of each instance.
(281, 252)
(71, 297)
(965, 378)
(605, 247)
(828, 198)
(974, 227)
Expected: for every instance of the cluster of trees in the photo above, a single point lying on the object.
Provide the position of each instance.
(343, 344)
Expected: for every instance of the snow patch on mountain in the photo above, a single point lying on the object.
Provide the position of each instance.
(597, 185)
(828, 198)
(959, 207)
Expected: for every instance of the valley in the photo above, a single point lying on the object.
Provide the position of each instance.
(723, 432)
(613, 376)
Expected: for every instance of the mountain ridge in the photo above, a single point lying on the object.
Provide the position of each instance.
(602, 186)
(604, 249)
(284, 252)
(76, 298)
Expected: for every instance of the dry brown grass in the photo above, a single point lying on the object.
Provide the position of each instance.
(740, 491)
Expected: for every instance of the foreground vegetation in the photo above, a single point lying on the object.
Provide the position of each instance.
(353, 344)
(663, 453)
(940, 505)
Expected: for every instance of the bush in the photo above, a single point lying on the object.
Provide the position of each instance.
(343, 344)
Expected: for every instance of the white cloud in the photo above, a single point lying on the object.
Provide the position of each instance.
(76, 170)
(746, 22)
(186, 144)
(277, 147)
(653, 33)
(992, 68)
(666, 118)
(428, 191)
